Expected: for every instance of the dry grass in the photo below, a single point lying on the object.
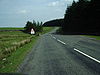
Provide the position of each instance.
(11, 41)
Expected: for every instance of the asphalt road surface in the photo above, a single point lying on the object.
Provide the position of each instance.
(63, 55)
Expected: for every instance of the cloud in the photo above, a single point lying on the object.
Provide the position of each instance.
(60, 3)
(23, 11)
(56, 3)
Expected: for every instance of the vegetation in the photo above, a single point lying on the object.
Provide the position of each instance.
(11, 63)
(47, 29)
(37, 26)
(82, 16)
(14, 46)
(10, 42)
(9, 28)
(94, 37)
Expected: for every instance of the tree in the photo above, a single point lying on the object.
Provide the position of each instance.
(37, 26)
(29, 26)
(82, 16)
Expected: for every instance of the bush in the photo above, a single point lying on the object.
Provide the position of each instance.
(37, 26)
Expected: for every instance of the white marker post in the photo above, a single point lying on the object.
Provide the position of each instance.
(32, 31)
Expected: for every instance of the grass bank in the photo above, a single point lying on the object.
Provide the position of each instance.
(47, 29)
(11, 61)
(92, 36)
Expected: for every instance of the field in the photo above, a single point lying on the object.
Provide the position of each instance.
(47, 29)
(9, 28)
(10, 42)
(14, 46)
(10, 39)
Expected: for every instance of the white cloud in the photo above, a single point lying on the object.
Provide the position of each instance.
(56, 3)
(23, 11)
(61, 3)
(70, 0)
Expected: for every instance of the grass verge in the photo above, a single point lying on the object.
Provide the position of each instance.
(92, 36)
(12, 62)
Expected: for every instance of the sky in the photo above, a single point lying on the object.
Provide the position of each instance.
(15, 13)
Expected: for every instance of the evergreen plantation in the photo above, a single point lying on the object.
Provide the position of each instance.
(83, 16)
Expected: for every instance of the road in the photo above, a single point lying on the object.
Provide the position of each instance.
(56, 55)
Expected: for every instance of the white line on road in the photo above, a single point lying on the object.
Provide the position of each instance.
(61, 41)
(58, 40)
(94, 59)
(54, 37)
(50, 35)
(87, 55)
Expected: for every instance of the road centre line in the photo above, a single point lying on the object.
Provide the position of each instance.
(61, 41)
(92, 58)
(58, 40)
(54, 37)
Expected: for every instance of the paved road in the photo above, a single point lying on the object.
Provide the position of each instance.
(55, 55)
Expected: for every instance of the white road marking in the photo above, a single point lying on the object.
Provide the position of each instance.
(92, 58)
(50, 35)
(87, 55)
(61, 41)
(58, 40)
(54, 37)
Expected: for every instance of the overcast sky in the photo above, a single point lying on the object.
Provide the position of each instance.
(15, 13)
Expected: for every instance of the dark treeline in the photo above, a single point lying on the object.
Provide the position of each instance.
(83, 16)
(56, 22)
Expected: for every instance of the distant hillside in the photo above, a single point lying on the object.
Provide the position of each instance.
(56, 22)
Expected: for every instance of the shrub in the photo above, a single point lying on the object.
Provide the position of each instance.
(37, 26)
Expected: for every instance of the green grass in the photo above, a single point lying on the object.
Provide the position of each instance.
(95, 37)
(7, 39)
(47, 29)
(10, 28)
(5, 33)
(15, 58)
(10, 42)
